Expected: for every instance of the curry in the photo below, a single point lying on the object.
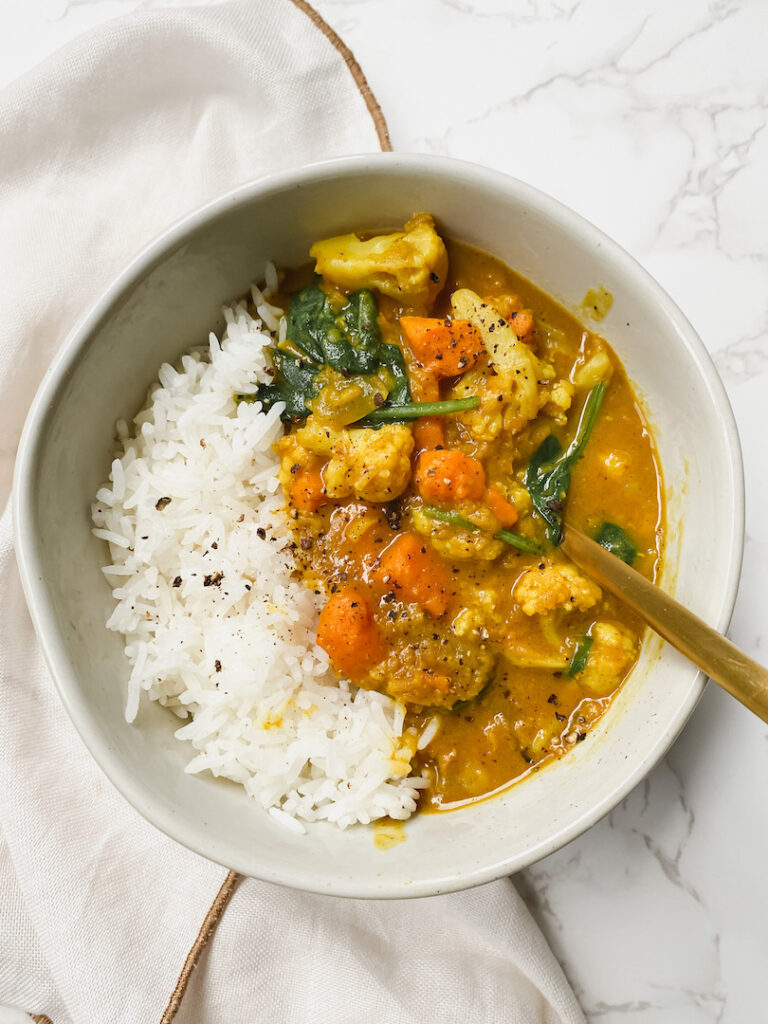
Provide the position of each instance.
(442, 415)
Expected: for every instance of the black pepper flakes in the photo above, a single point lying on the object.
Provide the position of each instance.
(177, 581)
(261, 532)
(305, 543)
(217, 665)
(213, 580)
(161, 503)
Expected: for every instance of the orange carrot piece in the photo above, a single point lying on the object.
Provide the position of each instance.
(308, 491)
(410, 568)
(522, 323)
(504, 510)
(447, 347)
(429, 432)
(507, 305)
(347, 632)
(448, 475)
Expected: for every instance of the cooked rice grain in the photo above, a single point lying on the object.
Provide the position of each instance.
(216, 628)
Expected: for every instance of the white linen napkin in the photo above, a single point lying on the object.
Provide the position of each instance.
(102, 146)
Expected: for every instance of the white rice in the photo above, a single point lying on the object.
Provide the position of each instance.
(216, 628)
(428, 733)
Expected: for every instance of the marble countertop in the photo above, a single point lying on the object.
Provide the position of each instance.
(650, 120)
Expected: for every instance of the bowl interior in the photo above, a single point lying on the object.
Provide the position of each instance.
(165, 303)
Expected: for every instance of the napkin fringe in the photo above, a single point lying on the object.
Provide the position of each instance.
(216, 909)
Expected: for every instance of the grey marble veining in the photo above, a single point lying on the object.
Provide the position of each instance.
(649, 119)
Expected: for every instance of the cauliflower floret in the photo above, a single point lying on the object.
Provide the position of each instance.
(409, 265)
(593, 367)
(317, 436)
(555, 400)
(374, 465)
(613, 650)
(555, 586)
(510, 398)
(432, 674)
(293, 458)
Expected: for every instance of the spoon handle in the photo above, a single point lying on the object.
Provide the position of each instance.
(721, 660)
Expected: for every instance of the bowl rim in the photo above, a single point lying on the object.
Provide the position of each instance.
(41, 610)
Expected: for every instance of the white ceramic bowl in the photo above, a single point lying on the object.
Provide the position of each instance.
(164, 303)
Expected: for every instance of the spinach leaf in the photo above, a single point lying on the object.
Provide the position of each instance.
(361, 326)
(548, 476)
(349, 341)
(580, 656)
(547, 483)
(310, 317)
(361, 320)
(296, 386)
(614, 539)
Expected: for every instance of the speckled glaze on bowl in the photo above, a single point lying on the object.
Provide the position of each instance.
(164, 303)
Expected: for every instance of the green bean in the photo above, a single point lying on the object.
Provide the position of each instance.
(415, 410)
(516, 540)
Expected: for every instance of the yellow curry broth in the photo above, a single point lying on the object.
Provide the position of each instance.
(528, 710)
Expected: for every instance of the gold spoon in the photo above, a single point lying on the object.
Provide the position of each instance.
(721, 660)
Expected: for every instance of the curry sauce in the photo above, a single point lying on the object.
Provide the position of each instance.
(442, 581)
